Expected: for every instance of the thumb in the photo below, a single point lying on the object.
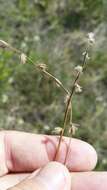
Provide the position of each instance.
(54, 176)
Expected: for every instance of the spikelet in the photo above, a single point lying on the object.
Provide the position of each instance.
(78, 68)
(57, 131)
(78, 88)
(23, 58)
(91, 37)
(73, 128)
(42, 66)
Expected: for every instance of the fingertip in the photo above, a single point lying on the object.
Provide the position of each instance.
(92, 157)
(55, 175)
(82, 156)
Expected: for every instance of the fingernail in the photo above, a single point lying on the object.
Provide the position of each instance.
(53, 176)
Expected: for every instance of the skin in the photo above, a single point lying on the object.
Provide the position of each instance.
(23, 153)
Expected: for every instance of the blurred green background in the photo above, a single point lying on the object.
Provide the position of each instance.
(53, 32)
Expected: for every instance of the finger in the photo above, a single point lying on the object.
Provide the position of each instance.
(89, 181)
(26, 152)
(11, 180)
(81, 180)
(54, 176)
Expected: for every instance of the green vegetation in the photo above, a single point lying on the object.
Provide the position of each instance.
(53, 32)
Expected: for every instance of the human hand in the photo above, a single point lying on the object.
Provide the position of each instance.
(24, 152)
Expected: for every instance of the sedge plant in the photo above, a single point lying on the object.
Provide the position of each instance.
(75, 88)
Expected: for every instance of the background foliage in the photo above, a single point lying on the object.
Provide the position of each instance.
(53, 32)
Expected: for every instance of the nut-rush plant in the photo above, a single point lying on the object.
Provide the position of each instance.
(68, 120)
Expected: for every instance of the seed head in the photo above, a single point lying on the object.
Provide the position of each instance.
(23, 58)
(79, 68)
(91, 37)
(73, 128)
(42, 66)
(57, 131)
(78, 88)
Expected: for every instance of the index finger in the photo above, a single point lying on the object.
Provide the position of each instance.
(25, 152)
